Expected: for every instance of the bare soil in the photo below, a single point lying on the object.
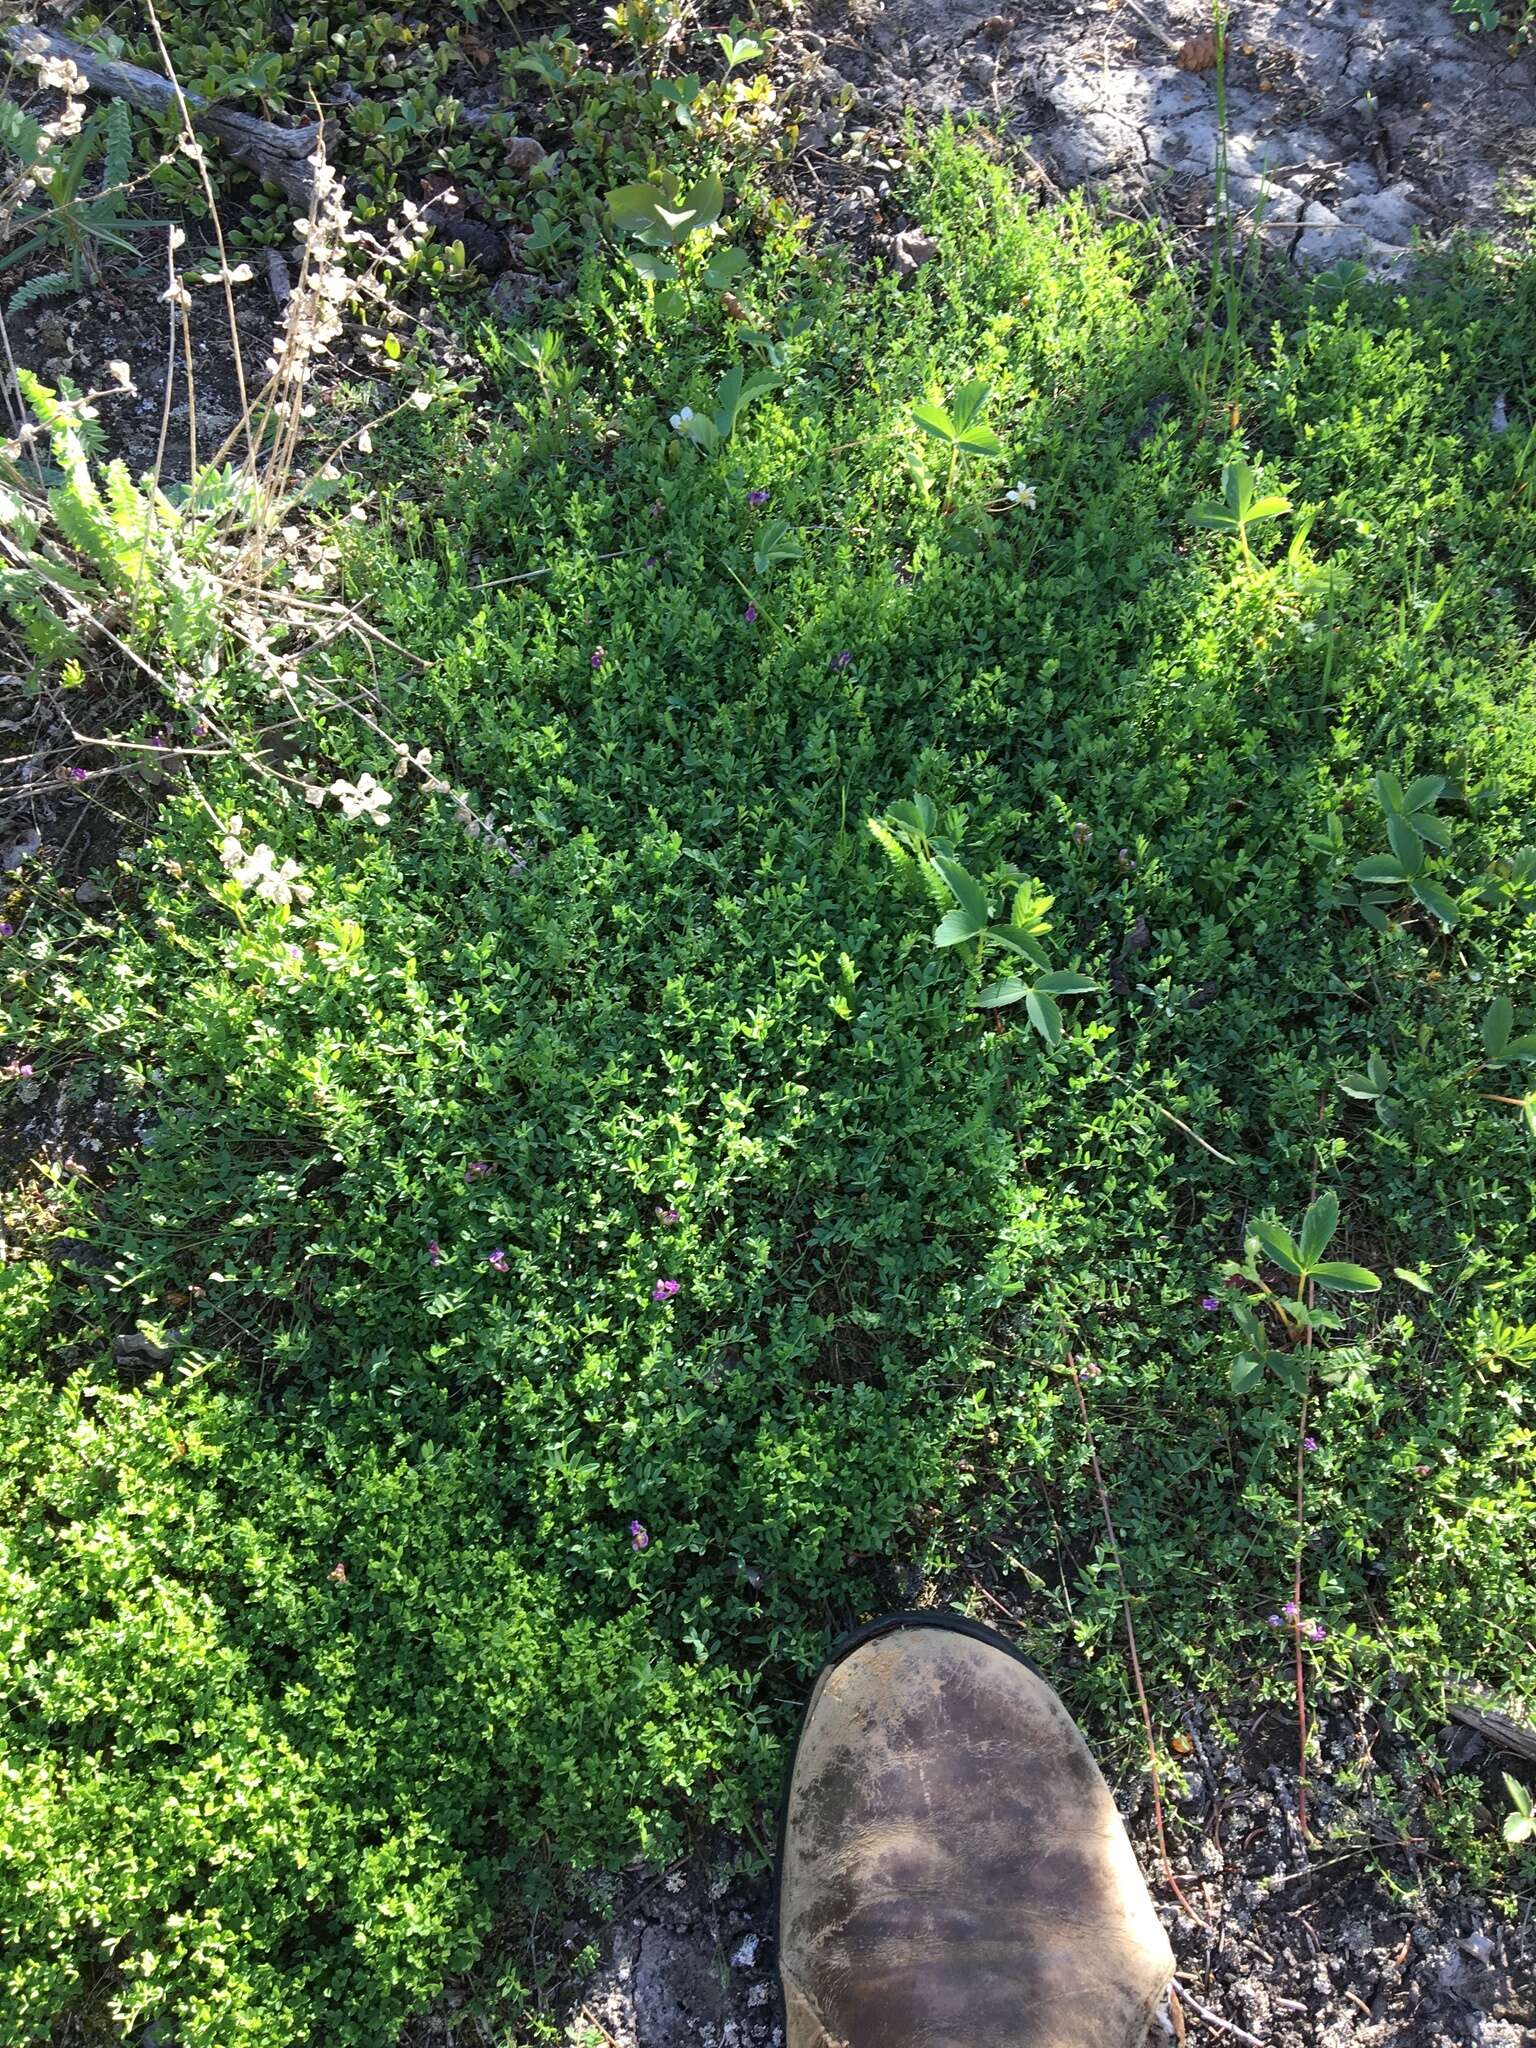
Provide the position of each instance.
(1365, 1939)
(1356, 131)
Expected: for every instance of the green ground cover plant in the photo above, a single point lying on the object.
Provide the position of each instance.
(582, 1236)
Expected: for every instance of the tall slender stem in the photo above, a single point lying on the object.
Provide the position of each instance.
(1302, 1288)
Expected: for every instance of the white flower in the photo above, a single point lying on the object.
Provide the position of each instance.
(363, 799)
(680, 419)
(1023, 494)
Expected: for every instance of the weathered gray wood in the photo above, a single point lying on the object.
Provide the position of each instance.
(280, 155)
(1496, 1728)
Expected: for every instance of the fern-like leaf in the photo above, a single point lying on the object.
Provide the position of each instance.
(53, 284)
(19, 133)
(118, 160)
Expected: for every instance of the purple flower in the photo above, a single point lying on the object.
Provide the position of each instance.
(750, 615)
(639, 1536)
(1316, 1631)
(757, 498)
(200, 730)
(498, 1261)
(1290, 1610)
(841, 660)
(1309, 1443)
(6, 928)
(1274, 1621)
(75, 774)
(665, 1289)
(434, 1252)
(666, 1215)
(477, 1169)
(25, 1070)
(1209, 1303)
(599, 656)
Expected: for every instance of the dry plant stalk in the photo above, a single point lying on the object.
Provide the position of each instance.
(1130, 1638)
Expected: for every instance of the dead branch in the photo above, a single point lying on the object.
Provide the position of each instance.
(280, 155)
(1495, 1728)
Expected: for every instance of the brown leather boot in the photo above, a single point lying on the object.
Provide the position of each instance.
(953, 1873)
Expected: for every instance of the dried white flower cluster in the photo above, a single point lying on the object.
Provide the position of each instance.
(260, 869)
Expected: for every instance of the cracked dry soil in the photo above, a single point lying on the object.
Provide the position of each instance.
(1354, 130)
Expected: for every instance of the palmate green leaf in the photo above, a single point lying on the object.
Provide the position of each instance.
(978, 441)
(1388, 790)
(1423, 791)
(1405, 842)
(1237, 482)
(968, 404)
(1058, 981)
(996, 995)
(1429, 827)
(1013, 939)
(1360, 1086)
(1318, 1226)
(934, 420)
(1277, 1244)
(1045, 1015)
(1340, 1277)
(1379, 867)
(1247, 1372)
(1498, 1023)
(967, 892)
(1435, 898)
(1214, 516)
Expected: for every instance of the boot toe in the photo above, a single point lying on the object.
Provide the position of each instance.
(955, 1874)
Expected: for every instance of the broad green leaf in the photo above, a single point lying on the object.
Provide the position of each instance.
(723, 266)
(1214, 516)
(1379, 867)
(1045, 1015)
(1411, 1279)
(978, 441)
(1389, 791)
(658, 268)
(1058, 981)
(1246, 1374)
(934, 420)
(1267, 508)
(967, 892)
(1429, 827)
(1405, 842)
(998, 994)
(1360, 1086)
(1276, 1241)
(1498, 1023)
(955, 927)
(1340, 1277)
(910, 816)
(1423, 791)
(1237, 480)
(633, 207)
(1014, 939)
(1378, 1070)
(1318, 1226)
(706, 202)
(1521, 1048)
(1435, 899)
(968, 403)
